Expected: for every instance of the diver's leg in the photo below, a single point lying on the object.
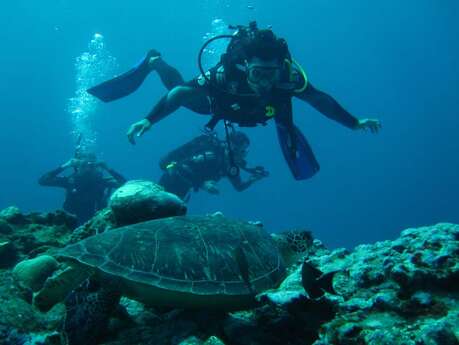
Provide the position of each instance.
(169, 75)
(171, 78)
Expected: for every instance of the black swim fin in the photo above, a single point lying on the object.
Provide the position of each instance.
(297, 152)
(126, 83)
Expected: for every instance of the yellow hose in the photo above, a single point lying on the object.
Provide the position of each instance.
(303, 74)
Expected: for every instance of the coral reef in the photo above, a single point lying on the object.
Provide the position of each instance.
(404, 291)
(27, 235)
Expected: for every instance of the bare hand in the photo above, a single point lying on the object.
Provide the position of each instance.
(138, 129)
(374, 125)
(261, 172)
(256, 177)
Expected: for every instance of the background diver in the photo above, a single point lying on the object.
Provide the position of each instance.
(87, 187)
(254, 82)
(203, 161)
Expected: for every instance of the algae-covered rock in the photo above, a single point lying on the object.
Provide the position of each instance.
(17, 313)
(8, 254)
(12, 215)
(31, 274)
(5, 228)
(140, 200)
(102, 221)
(35, 233)
(398, 292)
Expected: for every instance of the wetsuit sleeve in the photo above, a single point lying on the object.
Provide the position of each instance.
(328, 106)
(206, 83)
(238, 184)
(51, 179)
(186, 95)
(115, 179)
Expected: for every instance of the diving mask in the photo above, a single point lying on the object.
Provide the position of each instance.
(263, 74)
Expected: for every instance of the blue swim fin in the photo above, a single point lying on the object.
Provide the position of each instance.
(124, 84)
(297, 152)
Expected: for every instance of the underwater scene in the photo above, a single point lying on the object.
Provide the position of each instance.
(229, 172)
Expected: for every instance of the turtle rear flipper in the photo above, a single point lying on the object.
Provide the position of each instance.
(57, 287)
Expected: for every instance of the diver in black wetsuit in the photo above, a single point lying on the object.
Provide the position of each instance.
(87, 189)
(202, 162)
(254, 82)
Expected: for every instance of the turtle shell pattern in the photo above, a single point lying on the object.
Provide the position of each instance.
(190, 254)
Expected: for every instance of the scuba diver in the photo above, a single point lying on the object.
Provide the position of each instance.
(254, 82)
(87, 189)
(203, 161)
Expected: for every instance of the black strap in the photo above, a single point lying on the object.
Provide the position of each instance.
(210, 126)
(234, 169)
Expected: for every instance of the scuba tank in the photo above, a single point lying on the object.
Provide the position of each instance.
(189, 149)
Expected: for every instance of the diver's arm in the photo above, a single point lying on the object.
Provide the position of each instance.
(115, 179)
(240, 185)
(257, 173)
(174, 99)
(51, 179)
(328, 106)
(177, 97)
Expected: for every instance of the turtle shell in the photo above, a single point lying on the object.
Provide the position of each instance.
(189, 261)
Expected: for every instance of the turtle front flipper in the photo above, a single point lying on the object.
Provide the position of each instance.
(88, 310)
(58, 286)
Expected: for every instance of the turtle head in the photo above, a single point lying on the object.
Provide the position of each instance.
(294, 245)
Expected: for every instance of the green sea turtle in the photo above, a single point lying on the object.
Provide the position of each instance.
(186, 262)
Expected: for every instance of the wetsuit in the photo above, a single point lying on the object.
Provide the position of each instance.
(85, 194)
(247, 111)
(190, 172)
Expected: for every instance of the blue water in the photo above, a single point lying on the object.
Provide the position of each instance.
(396, 60)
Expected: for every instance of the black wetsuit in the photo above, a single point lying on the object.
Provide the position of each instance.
(190, 174)
(85, 194)
(211, 163)
(243, 110)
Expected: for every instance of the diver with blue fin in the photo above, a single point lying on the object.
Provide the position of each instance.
(254, 82)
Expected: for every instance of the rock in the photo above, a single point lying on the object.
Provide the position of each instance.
(139, 200)
(422, 299)
(32, 274)
(59, 217)
(439, 333)
(12, 215)
(102, 221)
(398, 292)
(8, 254)
(21, 315)
(35, 233)
(401, 292)
(191, 341)
(213, 340)
(5, 228)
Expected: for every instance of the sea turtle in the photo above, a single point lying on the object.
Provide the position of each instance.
(186, 262)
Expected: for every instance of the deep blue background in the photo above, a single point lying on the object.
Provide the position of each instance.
(396, 60)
